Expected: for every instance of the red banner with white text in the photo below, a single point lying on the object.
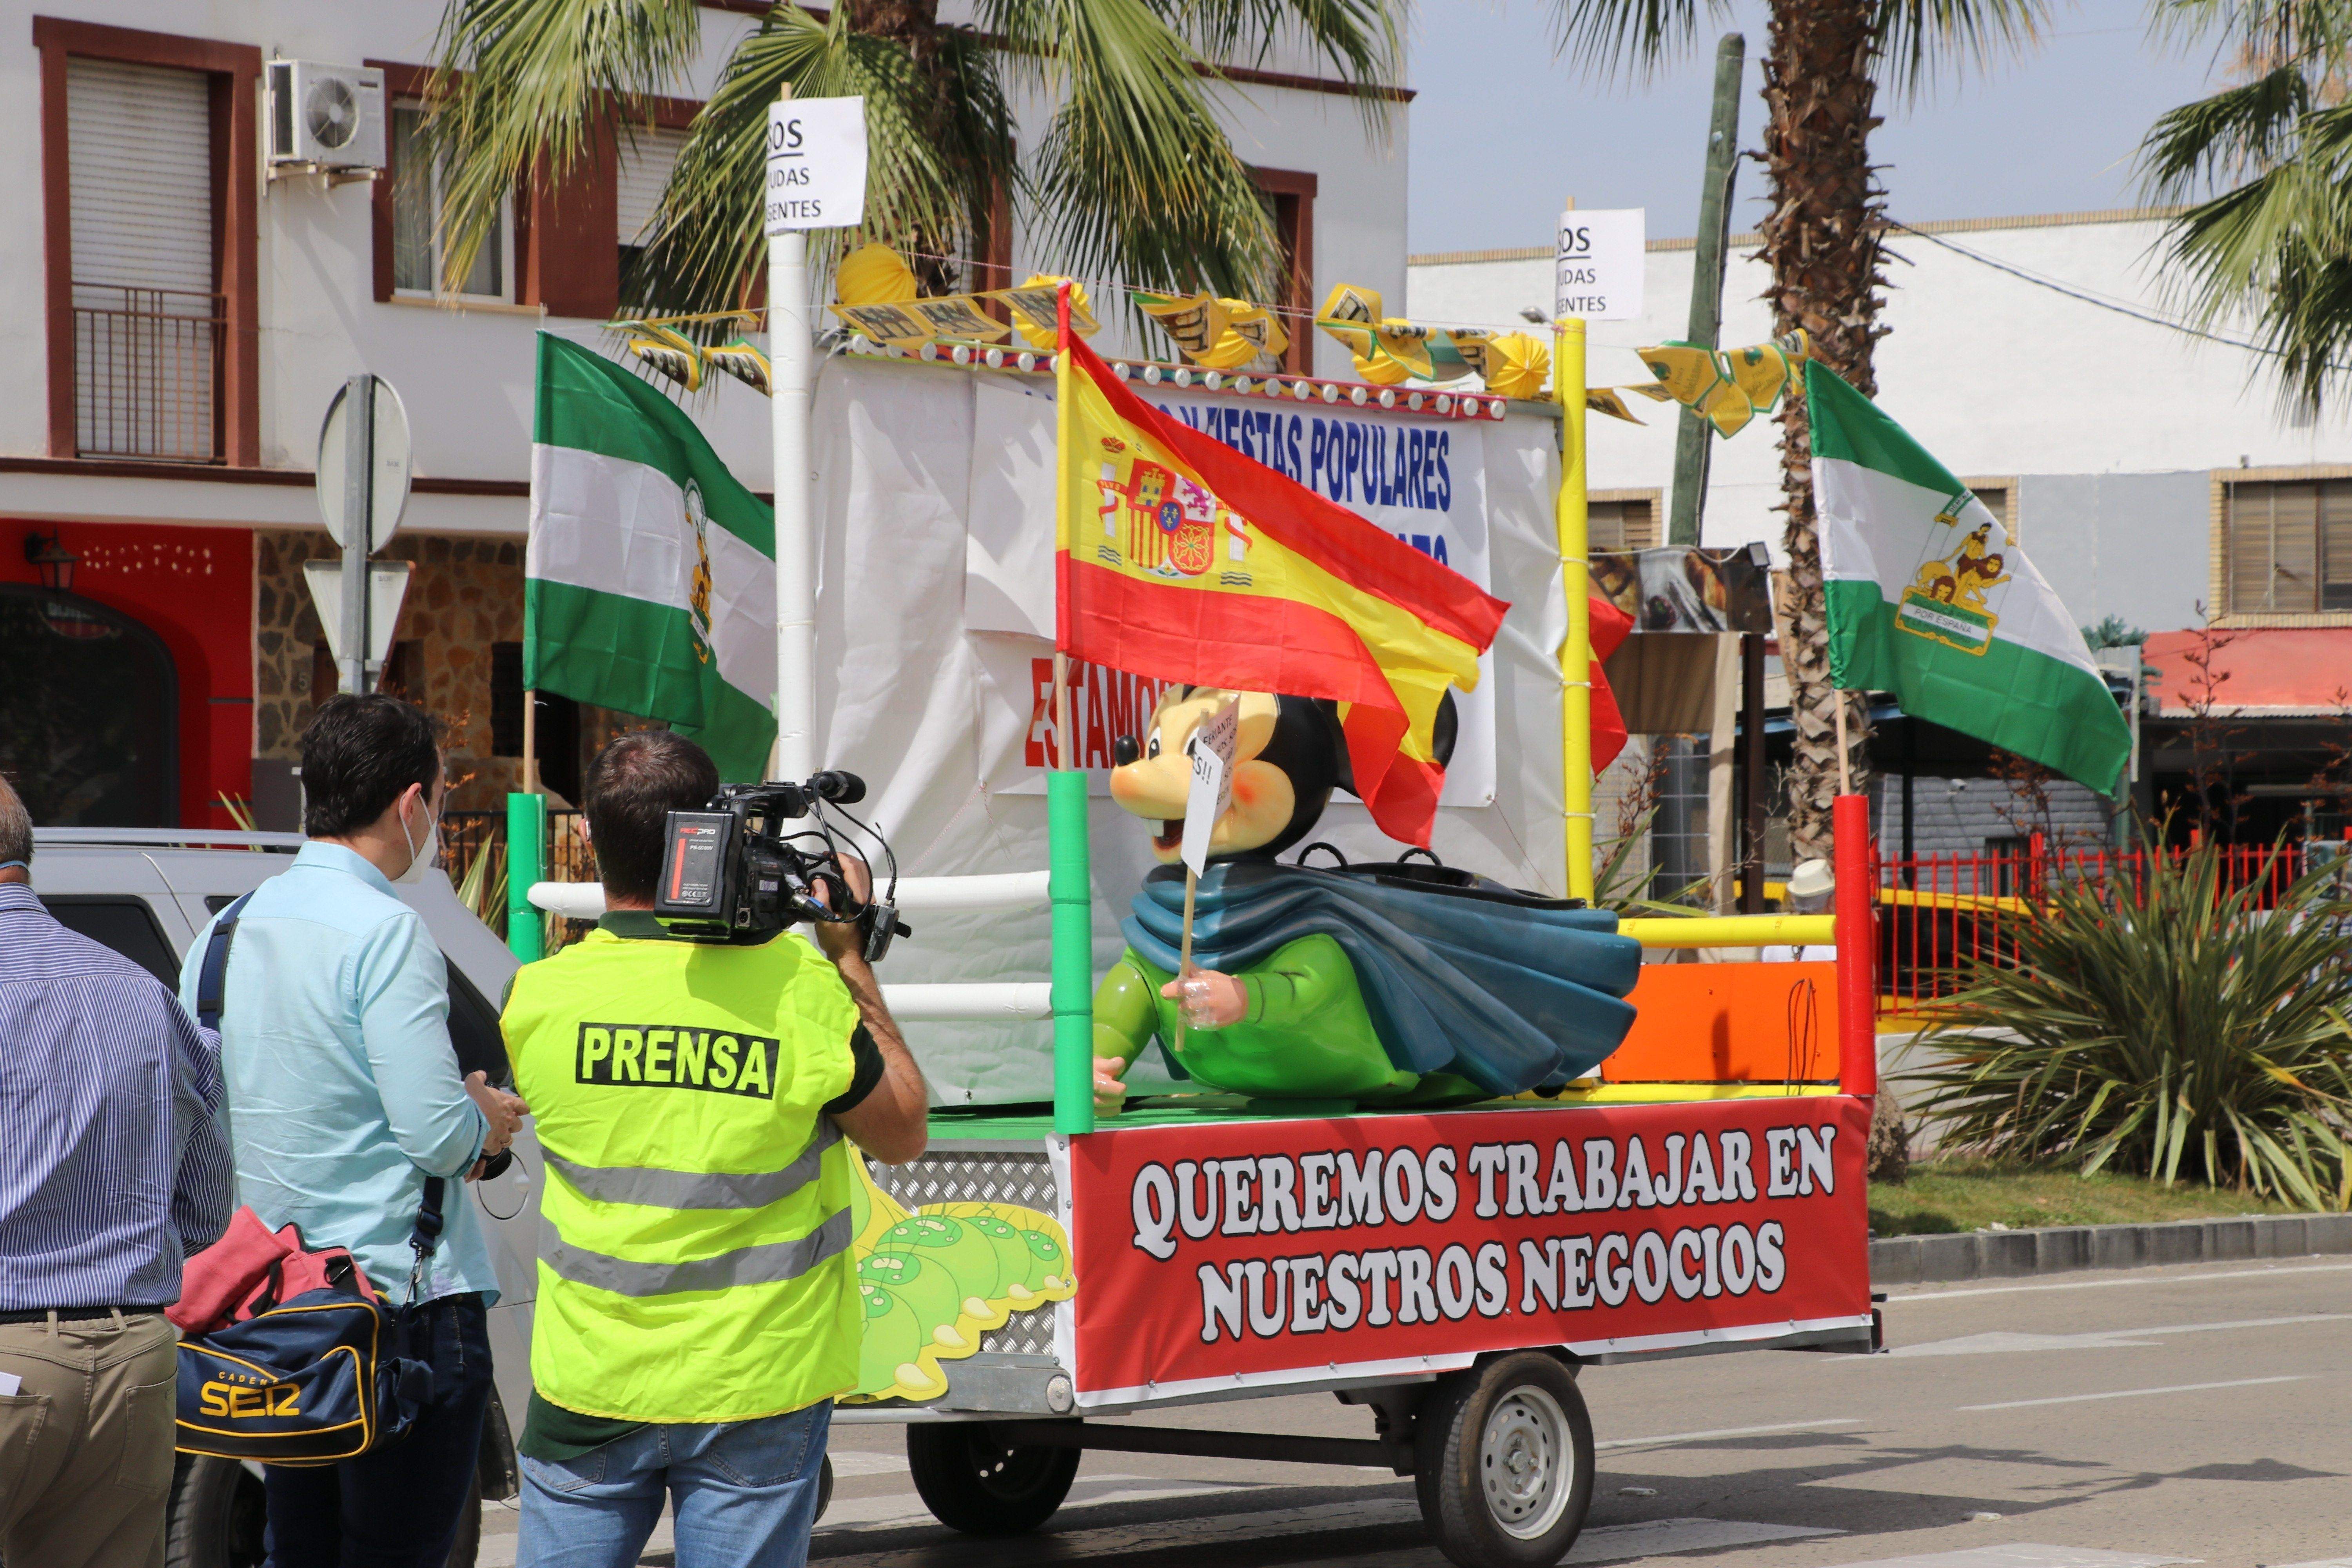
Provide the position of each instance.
(1278, 1251)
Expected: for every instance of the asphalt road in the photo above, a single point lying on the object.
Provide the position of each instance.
(2083, 1421)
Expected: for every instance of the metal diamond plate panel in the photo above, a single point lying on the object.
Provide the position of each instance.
(1026, 1180)
(1023, 1179)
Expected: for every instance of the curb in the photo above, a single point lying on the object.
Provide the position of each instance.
(2061, 1249)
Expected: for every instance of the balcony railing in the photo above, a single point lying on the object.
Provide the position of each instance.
(147, 372)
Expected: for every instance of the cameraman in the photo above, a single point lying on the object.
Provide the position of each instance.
(697, 1312)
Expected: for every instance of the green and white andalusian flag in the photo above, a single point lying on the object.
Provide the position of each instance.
(650, 582)
(1930, 598)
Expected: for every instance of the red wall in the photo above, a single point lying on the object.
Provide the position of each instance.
(193, 588)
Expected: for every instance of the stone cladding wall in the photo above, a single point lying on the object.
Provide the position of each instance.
(463, 595)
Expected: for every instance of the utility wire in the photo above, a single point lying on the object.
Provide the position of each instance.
(2055, 287)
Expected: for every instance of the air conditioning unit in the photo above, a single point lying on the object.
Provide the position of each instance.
(325, 119)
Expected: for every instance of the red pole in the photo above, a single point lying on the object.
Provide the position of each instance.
(1857, 949)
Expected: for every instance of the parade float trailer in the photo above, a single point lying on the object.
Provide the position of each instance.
(1452, 1271)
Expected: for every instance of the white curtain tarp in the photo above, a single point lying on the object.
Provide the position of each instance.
(941, 719)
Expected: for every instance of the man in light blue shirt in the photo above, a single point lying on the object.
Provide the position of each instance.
(344, 1098)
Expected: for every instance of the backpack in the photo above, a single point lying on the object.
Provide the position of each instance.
(287, 1354)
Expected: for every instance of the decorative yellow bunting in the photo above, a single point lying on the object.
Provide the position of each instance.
(1220, 334)
(880, 298)
(1035, 314)
(1605, 400)
(1728, 390)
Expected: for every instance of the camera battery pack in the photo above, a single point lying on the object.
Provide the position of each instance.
(695, 856)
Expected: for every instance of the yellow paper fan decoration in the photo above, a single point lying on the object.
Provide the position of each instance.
(1514, 364)
(874, 275)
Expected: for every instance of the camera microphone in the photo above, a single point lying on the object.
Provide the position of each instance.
(841, 788)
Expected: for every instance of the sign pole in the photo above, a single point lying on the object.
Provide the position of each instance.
(790, 350)
(359, 510)
(1575, 572)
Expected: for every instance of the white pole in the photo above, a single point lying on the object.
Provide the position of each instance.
(790, 350)
(791, 356)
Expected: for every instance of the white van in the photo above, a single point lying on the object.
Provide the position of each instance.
(146, 894)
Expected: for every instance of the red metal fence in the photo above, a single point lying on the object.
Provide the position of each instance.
(1939, 913)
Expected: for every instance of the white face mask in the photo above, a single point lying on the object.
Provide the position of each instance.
(422, 857)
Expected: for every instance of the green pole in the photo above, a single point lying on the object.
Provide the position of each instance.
(1693, 435)
(525, 840)
(1074, 937)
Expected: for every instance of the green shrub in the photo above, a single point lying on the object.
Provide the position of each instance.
(2161, 1024)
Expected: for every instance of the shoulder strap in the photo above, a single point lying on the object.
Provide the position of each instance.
(212, 980)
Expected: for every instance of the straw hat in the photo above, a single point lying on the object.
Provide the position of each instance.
(1810, 879)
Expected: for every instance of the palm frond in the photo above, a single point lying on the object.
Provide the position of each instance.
(1920, 40)
(931, 170)
(2275, 249)
(525, 86)
(1637, 38)
(1362, 41)
(1135, 178)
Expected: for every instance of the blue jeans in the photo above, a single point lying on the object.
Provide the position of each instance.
(396, 1506)
(743, 1495)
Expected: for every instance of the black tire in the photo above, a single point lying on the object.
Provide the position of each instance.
(1502, 1457)
(469, 1544)
(217, 1515)
(824, 1487)
(972, 1483)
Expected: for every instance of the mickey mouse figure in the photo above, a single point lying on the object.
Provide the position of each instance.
(1320, 990)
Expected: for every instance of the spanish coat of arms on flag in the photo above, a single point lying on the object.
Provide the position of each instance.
(1182, 559)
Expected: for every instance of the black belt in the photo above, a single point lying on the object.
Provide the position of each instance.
(76, 1314)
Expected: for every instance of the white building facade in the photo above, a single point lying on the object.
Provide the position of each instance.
(184, 319)
(2146, 469)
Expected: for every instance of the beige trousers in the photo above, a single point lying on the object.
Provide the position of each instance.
(85, 1441)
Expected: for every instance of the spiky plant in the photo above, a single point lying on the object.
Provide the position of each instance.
(1133, 178)
(2158, 1022)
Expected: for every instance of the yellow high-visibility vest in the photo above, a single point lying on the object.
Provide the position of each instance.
(694, 1263)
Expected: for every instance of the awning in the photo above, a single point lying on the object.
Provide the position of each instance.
(2253, 672)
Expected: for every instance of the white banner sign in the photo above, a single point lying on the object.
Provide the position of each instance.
(1599, 269)
(1421, 479)
(816, 163)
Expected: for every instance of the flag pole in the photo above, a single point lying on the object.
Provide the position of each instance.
(1069, 875)
(1575, 571)
(530, 741)
(791, 357)
(1184, 962)
(1845, 768)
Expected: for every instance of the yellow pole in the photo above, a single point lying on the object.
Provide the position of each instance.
(1575, 571)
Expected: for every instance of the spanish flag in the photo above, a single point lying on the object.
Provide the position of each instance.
(1181, 559)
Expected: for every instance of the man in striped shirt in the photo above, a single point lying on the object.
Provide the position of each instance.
(113, 1167)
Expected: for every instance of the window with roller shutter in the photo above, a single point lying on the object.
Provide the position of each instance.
(2288, 546)
(148, 316)
(642, 172)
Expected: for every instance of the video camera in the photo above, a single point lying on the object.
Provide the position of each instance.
(732, 871)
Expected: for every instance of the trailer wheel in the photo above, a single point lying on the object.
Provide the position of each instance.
(1504, 1463)
(971, 1482)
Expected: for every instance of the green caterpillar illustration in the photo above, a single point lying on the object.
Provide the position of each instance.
(933, 1282)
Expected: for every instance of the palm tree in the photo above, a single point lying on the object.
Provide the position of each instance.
(2274, 249)
(1133, 178)
(1823, 66)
